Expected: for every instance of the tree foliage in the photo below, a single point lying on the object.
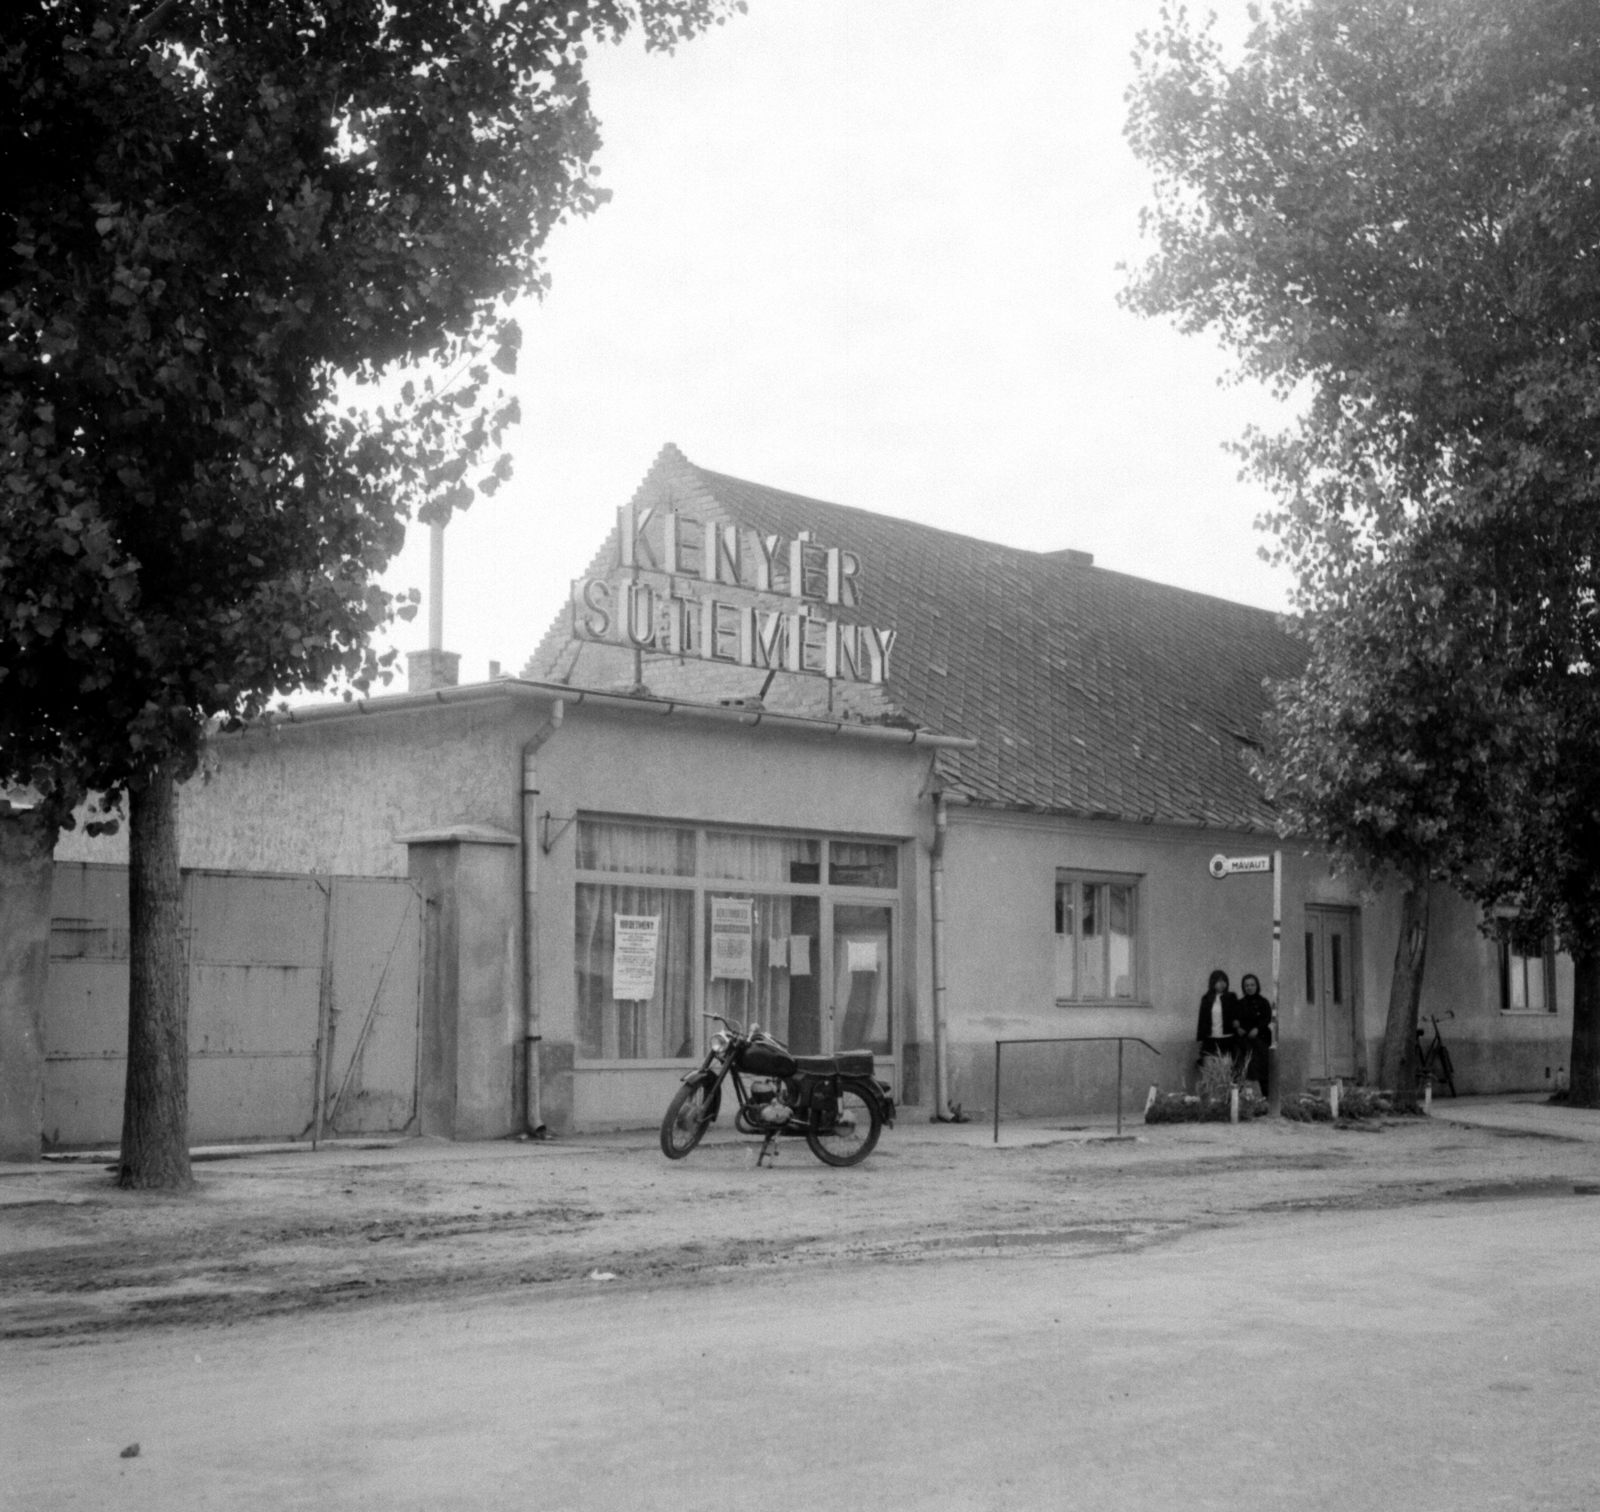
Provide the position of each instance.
(1391, 212)
(216, 219)
(1389, 209)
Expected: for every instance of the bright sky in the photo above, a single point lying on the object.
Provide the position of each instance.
(865, 250)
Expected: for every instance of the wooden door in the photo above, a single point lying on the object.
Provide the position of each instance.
(1330, 991)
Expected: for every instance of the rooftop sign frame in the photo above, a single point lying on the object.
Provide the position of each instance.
(692, 588)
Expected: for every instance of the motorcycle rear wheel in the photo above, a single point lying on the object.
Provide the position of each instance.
(688, 1117)
(851, 1135)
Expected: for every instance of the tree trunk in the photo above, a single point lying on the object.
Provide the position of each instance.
(155, 1107)
(27, 869)
(1397, 1070)
(1584, 1080)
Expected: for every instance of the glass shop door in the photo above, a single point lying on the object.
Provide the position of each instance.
(763, 964)
(861, 1013)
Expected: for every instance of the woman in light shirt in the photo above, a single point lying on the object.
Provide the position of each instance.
(1219, 1014)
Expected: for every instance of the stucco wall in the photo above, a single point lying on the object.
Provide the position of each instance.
(714, 774)
(1002, 873)
(333, 796)
(1492, 1051)
(1001, 884)
(1002, 951)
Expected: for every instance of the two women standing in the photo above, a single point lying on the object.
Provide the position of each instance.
(1238, 1027)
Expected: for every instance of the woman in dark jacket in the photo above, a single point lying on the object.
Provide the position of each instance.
(1218, 1022)
(1255, 1027)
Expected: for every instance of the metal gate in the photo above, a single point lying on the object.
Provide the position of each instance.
(304, 997)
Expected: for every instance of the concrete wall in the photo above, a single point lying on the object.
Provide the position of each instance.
(26, 879)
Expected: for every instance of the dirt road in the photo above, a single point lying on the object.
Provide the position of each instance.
(1425, 1357)
(278, 1234)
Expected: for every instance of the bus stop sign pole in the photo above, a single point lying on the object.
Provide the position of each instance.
(1232, 866)
(1274, 1082)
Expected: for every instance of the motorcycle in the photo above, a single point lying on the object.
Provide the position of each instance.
(834, 1101)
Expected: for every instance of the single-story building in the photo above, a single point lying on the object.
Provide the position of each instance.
(864, 781)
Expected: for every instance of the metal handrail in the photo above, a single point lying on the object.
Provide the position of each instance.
(1068, 1039)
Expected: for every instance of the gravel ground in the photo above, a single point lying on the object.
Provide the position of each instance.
(284, 1232)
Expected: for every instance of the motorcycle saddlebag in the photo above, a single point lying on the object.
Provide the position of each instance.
(854, 1062)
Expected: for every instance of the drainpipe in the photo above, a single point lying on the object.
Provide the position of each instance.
(532, 1119)
(941, 1029)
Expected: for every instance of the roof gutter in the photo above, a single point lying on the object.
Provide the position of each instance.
(522, 689)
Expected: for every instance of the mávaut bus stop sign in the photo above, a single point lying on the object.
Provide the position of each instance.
(1231, 866)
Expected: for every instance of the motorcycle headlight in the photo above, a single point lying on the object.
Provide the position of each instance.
(720, 1042)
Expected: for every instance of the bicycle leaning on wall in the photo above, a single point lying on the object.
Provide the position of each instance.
(1433, 1060)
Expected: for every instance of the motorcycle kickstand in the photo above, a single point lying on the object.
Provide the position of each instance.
(769, 1148)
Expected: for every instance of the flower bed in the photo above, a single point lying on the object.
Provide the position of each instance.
(1212, 1106)
(1354, 1103)
(1188, 1107)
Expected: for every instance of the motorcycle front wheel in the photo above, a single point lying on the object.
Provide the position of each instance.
(848, 1136)
(688, 1117)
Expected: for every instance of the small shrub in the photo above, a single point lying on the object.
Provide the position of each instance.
(1306, 1107)
(1355, 1103)
(1217, 1076)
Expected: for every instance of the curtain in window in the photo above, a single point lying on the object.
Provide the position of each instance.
(761, 858)
(1091, 944)
(1119, 938)
(1097, 931)
(856, 863)
(1522, 970)
(1066, 939)
(660, 1027)
(655, 849)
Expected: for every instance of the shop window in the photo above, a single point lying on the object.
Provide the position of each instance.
(852, 863)
(651, 849)
(762, 858)
(1527, 970)
(1097, 938)
(761, 908)
(634, 954)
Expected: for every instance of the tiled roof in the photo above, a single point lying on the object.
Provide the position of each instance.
(1089, 692)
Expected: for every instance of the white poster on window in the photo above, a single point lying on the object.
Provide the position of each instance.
(778, 952)
(636, 941)
(799, 955)
(730, 938)
(861, 955)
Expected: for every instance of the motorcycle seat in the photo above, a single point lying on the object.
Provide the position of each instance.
(847, 1063)
(816, 1065)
